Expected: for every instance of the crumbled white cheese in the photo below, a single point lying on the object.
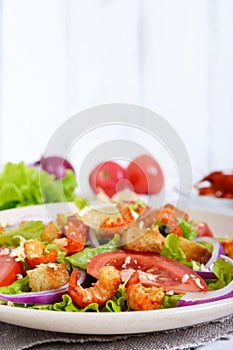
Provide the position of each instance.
(53, 266)
(198, 282)
(19, 276)
(5, 251)
(185, 278)
(127, 262)
(170, 292)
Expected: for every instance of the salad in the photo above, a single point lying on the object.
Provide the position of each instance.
(121, 256)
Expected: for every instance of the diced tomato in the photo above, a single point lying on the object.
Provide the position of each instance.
(9, 268)
(154, 270)
(1, 229)
(202, 229)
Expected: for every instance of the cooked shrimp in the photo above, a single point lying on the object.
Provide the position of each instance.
(34, 251)
(101, 291)
(228, 247)
(140, 298)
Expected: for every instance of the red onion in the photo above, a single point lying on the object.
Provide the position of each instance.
(207, 275)
(92, 238)
(216, 249)
(227, 258)
(193, 298)
(45, 297)
(54, 165)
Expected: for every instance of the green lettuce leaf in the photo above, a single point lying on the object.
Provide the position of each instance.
(117, 304)
(17, 287)
(170, 301)
(224, 272)
(80, 259)
(187, 228)
(171, 249)
(66, 304)
(30, 230)
(22, 185)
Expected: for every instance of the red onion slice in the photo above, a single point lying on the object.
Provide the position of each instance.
(92, 238)
(45, 297)
(193, 298)
(216, 249)
(206, 275)
(54, 165)
(227, 258)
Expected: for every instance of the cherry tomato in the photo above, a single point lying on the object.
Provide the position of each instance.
(107, 176)
(202, 229)
(154, 270)
(145, 175)
(9, 268)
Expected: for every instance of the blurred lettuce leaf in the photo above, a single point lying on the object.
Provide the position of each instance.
(22, 185)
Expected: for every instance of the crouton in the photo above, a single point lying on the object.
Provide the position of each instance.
(49, 276)
(151, 240)
(194, 251)
(143, 240)
(50, 232)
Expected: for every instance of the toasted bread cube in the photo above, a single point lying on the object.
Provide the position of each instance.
(194, 251)
(50, 232)
(143, 240)
(49, 276)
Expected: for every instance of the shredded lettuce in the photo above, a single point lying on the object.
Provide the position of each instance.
(80, 259)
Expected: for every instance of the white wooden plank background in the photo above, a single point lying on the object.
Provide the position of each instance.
(175, 57)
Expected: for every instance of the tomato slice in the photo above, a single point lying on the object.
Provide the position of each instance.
(10, 268)
(154, 270)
